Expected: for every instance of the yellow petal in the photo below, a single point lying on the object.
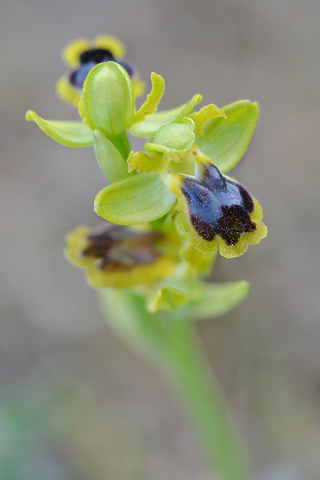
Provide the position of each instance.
(138, 275)
(66, 92)
(76, 243)
(113, 44)
(71, 53)
(139, 87)
(141, 162)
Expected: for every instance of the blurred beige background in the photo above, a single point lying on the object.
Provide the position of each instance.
(74, 402)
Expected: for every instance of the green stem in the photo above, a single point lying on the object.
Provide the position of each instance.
(201, 396)
(172, 344)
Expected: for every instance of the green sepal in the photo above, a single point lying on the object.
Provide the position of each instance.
(136, 200)
(108, 99)
(70, 134)
(172, 138)
(226, 140)
(218, 299)
(109, 159)
(148, 127)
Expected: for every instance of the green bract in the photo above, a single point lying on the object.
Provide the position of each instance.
(218, 299)
(109, 158)
(140, 199)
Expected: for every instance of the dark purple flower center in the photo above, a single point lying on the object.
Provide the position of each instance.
(91, 58)
(218, 206)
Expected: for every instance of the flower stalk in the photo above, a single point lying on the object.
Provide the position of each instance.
(172, 345)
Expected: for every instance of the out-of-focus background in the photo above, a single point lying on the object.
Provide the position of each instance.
(75, 403)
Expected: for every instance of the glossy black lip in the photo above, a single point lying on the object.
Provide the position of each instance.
(218, 206)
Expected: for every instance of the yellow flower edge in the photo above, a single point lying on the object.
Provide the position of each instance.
(67, 92)
(113, 44)
(77, 242)
(71, 53)
(138, 275)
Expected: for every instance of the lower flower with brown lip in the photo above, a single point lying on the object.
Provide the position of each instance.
(121, 257)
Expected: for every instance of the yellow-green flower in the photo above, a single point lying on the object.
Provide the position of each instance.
(217, 213)
(121, 257)
(107, 107)
(81, 55)
(160, 265)
(185, 159)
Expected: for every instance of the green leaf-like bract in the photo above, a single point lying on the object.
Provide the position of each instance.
(136, 200)
(218, 299)
(226, 140)
(109, 159)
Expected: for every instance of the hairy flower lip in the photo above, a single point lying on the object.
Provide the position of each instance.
(215, 192)
(217, 211)
(103, 240)
(120, 256)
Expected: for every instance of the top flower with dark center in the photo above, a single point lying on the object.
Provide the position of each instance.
(82, 56)
(88, 60)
